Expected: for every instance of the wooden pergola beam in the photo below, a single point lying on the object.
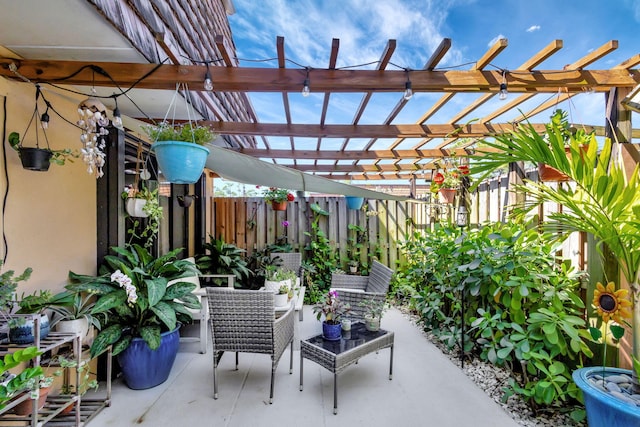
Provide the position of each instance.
(246, 79)
(352, 154)
(472, 130)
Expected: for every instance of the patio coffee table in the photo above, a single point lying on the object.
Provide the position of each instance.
(337, 355)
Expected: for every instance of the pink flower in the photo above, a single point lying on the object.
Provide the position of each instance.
(285, 223)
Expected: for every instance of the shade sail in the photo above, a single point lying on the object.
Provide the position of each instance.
(249, 170)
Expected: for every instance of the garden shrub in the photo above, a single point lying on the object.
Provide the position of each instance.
(522, 307)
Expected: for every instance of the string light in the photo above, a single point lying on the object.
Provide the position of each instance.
(306, 90)
(502, 95)
(408, 90)
(208, 83)
(44, 120)
(117, 117)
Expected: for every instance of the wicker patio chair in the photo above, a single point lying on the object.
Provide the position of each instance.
(292, 261)
(354, 289)
(244, 321)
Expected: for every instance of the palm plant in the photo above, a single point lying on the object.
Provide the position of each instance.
(603, 201)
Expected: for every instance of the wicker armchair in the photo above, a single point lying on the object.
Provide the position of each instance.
(244, 321)
(292, 261)
(354, 289)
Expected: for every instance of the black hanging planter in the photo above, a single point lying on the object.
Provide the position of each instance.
(35, 159)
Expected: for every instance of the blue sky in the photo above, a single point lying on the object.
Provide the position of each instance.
(364, 26)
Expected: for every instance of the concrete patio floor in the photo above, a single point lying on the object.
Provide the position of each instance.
(426, 389)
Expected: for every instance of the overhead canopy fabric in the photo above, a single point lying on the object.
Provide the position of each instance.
(249, 170)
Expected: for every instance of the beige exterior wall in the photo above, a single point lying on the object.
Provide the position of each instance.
(50, 217)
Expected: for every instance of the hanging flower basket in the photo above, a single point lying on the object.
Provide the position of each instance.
(448, 194)
(354, 202)
(279, 206)
(181, 162)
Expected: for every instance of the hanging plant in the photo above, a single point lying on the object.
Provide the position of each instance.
(37, 158)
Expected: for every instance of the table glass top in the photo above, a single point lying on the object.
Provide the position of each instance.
(357, 336)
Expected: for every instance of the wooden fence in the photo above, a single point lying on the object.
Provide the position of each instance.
(380, 226)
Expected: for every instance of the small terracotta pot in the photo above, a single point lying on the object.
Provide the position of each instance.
(26, 406)
(448, 194)
(279, 206)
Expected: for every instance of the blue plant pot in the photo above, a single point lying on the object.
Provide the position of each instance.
(144, 368)
(354, 203)
(24, 334)
(331, 332)
(603, 409)
(180, 162)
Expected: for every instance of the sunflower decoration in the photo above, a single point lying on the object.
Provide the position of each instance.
(612, 304)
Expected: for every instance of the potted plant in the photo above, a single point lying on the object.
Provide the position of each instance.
(39, 387)
(373, 311)
(22, 323)
(332, 309)
(277, 277)
(278, 197)
(447, 182)
(180, 150)
(281, 297)
(72, 313)
(223, 258)
(8, 285)
(13, 384)
(603, 202)
(353, 266)
(354, 202)
(39, 159)
(87, 382)
(139, 312)
(136, 201)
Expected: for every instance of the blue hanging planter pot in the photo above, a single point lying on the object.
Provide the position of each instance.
(605, 409)
(181, 162)
(144, 368)
(354, 203)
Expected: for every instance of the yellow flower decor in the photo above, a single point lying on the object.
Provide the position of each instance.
(610, 303)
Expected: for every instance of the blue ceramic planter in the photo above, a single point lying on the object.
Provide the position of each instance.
(180, 162)
(354, 202)
(23, 334)
(144, 368)
(603, 409)
(331, 332)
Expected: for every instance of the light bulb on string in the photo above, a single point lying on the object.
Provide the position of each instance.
(305, 88)
(44, 120)
(208, 83)
(117, 116)
(502, 95)
(408, 91)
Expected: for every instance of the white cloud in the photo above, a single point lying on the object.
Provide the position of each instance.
(533, 28)
(495, 39)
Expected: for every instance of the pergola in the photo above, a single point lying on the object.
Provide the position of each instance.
(413, 147)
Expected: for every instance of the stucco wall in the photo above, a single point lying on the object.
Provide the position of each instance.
(49, 220)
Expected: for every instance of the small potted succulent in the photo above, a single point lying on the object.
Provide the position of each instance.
(180, 150)
(373, 311)
(281, 298)
(353, 266)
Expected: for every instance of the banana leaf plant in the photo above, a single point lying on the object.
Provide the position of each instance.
(133, 299)
(602, 200)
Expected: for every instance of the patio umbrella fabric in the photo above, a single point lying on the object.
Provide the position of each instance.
(249, 170)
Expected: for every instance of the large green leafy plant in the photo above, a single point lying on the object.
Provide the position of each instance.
(134, 298)
(224, 258)
(603, 200)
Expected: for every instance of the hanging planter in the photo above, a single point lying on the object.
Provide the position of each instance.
(354, 203)
(548, 174)
(179, 148)
(135, 207)
(181, 162)
(35, 159)
(279, 206)
(448, 194)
